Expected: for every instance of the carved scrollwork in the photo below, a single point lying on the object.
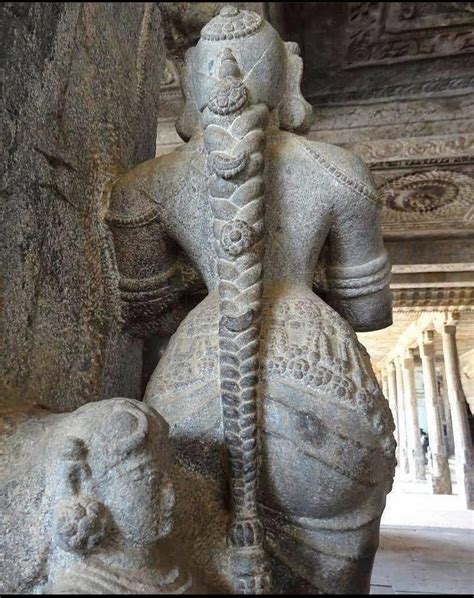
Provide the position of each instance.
(414, 149)
(421, 193)
(427, 192)
(405, 31)
(440, 85)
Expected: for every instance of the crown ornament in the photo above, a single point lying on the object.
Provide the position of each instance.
(230, 94)
(231, 23)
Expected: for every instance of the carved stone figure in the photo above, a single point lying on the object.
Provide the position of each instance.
(275, 414)
(88, 501)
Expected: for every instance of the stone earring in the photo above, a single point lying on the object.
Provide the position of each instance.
(79, 519)
(294, 112)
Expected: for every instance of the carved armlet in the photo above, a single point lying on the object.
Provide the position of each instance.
(360, 294)
(360, 280)
(156, 305)
(153, 274)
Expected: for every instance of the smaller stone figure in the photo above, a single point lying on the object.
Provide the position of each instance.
(103, 503)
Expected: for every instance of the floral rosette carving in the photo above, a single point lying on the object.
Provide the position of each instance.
(228, 97)
(236, 237)
(427, 192)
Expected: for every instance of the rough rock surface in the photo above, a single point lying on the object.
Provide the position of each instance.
(80, 102)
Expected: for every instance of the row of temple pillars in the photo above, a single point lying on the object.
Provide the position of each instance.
(398, 382)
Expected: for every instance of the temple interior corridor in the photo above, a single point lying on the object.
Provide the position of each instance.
(427, 532)
(424, 363)
(426, 542)
(421, 560)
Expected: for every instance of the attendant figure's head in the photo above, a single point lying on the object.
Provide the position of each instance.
(113, 487)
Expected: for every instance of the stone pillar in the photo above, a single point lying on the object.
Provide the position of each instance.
(416, 461)
(392, 400)
(457, 402)
(402, 429)
(79, 108)
(447, 411)
(384, 380)
(440, 476)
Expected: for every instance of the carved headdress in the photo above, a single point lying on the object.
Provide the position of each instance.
(271, 69)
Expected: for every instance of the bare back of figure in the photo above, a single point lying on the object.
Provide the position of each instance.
(272, 403)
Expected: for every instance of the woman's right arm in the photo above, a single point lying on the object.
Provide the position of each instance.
(153, 274)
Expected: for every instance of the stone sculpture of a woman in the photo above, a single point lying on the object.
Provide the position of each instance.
(271, 401)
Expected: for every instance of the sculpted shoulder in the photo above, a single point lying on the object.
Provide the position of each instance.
(139, 191)
(340, 164)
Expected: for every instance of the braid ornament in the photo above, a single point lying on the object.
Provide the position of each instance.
(234, 138)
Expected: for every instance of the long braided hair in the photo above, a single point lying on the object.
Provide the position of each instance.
(234, 139)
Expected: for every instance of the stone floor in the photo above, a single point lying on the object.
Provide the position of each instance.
(426, 544)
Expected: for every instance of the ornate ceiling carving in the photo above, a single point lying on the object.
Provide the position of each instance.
(429, 200)
(391, 32)
(433, 299)
(420, 151)
(404, 152)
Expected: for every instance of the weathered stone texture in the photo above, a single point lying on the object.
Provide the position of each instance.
(80, 101)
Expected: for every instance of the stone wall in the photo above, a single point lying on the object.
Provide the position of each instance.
(80, 106)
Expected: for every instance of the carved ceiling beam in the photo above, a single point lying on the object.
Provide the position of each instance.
(411, 337)
(429, 299)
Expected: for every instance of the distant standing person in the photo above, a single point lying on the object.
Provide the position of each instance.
(425, 443)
